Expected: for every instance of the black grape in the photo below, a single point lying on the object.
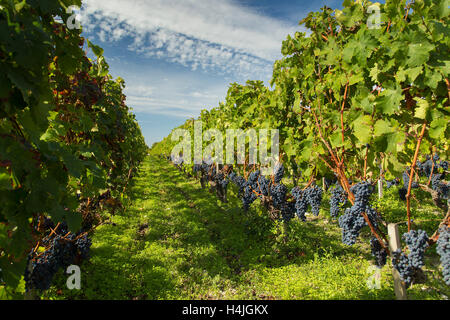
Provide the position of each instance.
(263, 186)
(443, 249)
(417, 242)
(391, 183)
(40, 272)
(373, 215)
(352, 221)
(248, 198)
(253, 178)
(83, 246)
(222, 181)
(301, 204)
(314, 197)
(362, 192)
(329, 182)
(378, 252)
(436, 158)
(288, 211)
(426, 168)
(278, 193)
(405, 176)
(440, 186)
(232, 176)
(239, 182)
(402, 192)
(337, 201)
(278, 173)
(62, 250)
(351, 224)
(403, 265)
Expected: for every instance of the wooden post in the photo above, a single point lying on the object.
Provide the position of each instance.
(380, 188)
(394, 244)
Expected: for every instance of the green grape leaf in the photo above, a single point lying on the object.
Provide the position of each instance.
(438, 127)
(419, 53)
(98, 51)
(388, 102)
(362, 128)
(422, 108)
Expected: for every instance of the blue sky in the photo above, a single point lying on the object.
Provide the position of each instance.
(178, 57)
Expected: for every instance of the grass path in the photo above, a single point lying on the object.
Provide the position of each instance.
(176, 241)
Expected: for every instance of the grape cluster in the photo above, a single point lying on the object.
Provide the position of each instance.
(62, 250)
(204, 167)
(362, 192)
(248, 198)
(222, 181)
(232, 176)
(402, 264)
(417, 242)
(373, 216)
(263, 186)
(378, 252)
(278, 173)
(47, 224)
(425, 168)
(392, 183)
(438, 184)
(84, 247)
(253, 178)
(247, 189)
(288, 211)
(301, 204)
(278, 193)
(351, 224)
(436, 158)
(337, 201)
(39, 273)
(239, 181)
(443, 249)
(224, 184)
(352, 221)
(402, 192)
(329, 182)
(405, 177)
(313, 196)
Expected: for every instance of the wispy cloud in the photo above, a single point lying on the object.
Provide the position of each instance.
(176, 97)
(210, 35)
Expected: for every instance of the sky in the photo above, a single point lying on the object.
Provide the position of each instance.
(178, 57)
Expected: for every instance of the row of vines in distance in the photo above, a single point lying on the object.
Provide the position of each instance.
(355, 105)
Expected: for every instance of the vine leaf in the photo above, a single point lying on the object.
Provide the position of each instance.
(388, 102)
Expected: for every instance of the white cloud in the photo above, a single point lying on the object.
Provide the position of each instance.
(140, 90)
(213, 34)
(181, 96)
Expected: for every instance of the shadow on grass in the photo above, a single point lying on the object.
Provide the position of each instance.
(177, 239)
